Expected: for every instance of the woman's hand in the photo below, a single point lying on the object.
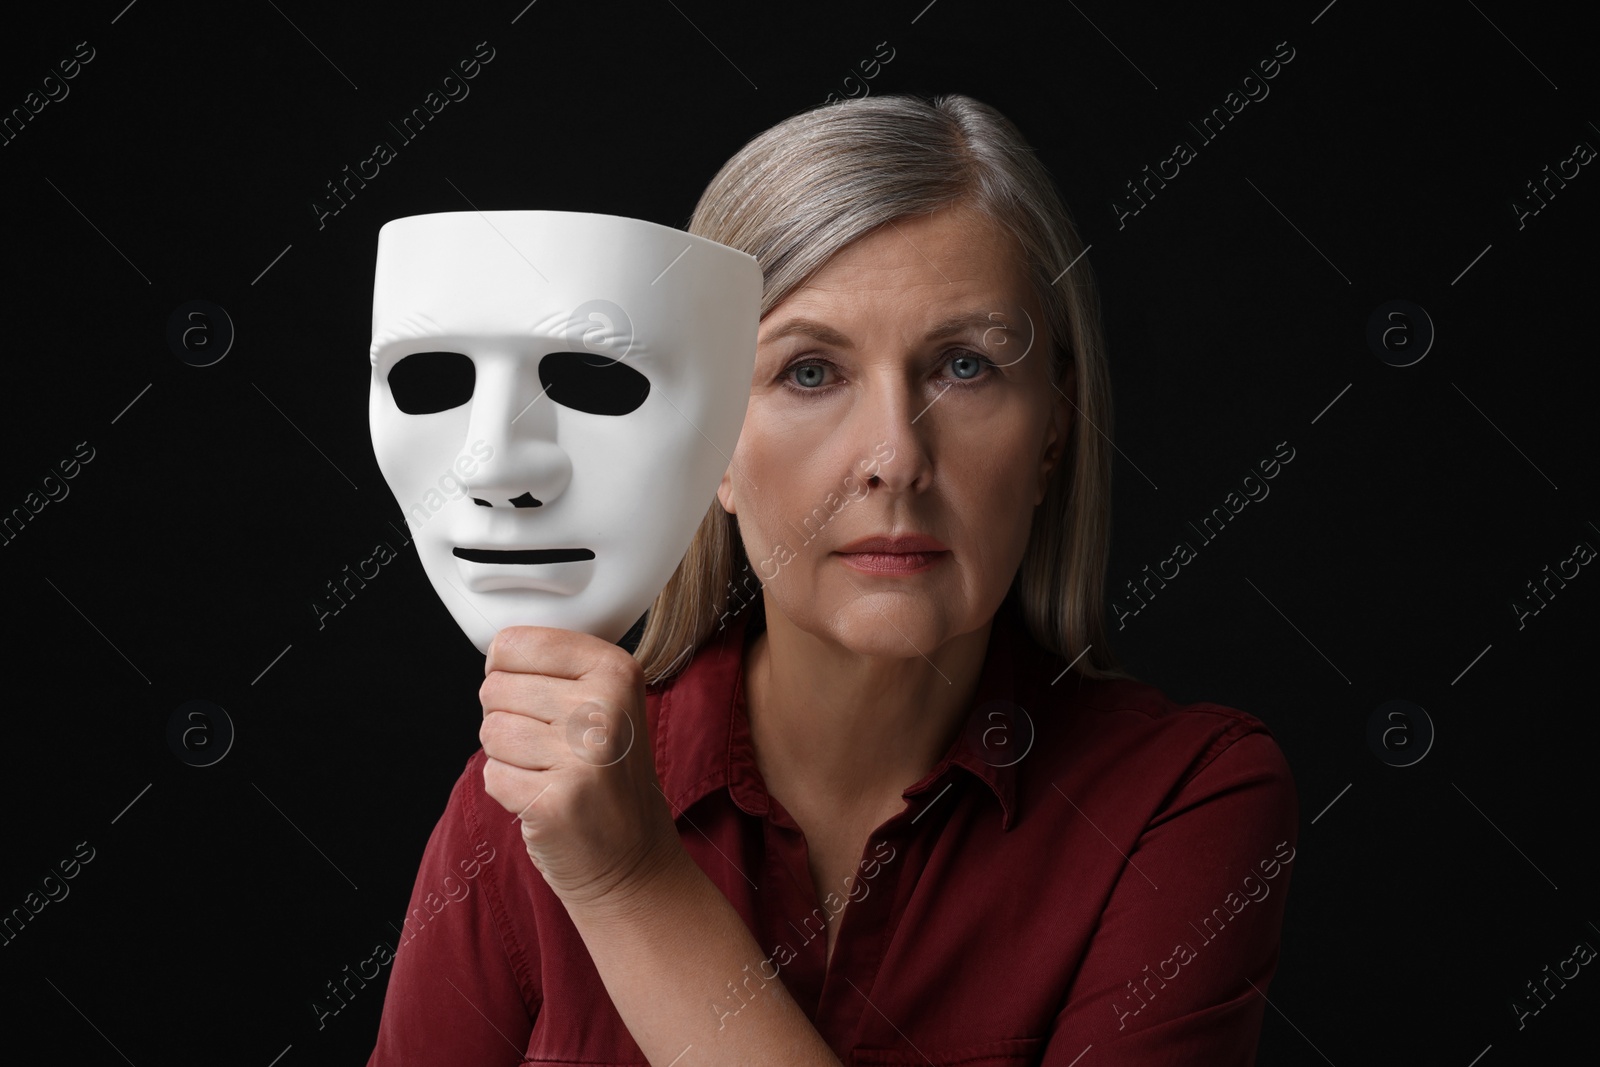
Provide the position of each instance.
(564, 729)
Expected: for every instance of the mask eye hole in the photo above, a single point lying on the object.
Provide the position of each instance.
(425, 382)
(590, 382)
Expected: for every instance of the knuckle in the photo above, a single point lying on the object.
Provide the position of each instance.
(504, 642)
(628, 670)
(489, 691)
(491, 778)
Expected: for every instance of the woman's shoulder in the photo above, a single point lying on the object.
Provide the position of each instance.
(1121, 742)
(1083, 720)
(1120, 738)
(476, 817)
(1113, 706)
(1128, 711)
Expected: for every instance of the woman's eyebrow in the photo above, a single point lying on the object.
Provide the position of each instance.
(967, 320)
(810, 328)
(954, 324)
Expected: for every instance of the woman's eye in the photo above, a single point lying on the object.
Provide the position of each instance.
(808, 375)
(966, 366)
(969, 366)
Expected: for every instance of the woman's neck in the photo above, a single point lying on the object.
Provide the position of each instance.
(837, 728)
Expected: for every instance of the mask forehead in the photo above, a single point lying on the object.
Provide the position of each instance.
(555, 280)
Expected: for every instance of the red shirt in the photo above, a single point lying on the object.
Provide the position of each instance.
(1098, 878)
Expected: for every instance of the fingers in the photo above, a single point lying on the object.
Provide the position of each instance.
(600, 733)
(537, 696)
(515, 789)
(522, 718)
(521, 742)
(573, 702)
(596, 732)
(558, 653)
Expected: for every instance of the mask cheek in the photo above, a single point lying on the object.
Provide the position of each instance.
(416, 453)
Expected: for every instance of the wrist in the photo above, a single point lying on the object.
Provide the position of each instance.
(657, 875)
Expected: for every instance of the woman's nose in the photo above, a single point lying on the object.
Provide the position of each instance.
(897, 419)
(514, 417)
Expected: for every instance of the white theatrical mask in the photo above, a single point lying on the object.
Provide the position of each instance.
(555, 396)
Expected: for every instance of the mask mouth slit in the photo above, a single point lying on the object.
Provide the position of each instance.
(523, 555)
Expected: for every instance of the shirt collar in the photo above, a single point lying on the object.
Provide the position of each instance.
(704, 741)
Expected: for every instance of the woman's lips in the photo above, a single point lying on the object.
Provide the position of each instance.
(892, 562)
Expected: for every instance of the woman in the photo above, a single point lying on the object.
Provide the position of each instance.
(902, 807)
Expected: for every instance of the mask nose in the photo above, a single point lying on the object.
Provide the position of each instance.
(512, 415)
(526, 500)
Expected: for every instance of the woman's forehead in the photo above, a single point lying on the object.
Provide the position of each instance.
(957, 247)
(932, 321)
(973, 302)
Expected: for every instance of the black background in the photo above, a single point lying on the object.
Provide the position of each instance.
(1383, 164)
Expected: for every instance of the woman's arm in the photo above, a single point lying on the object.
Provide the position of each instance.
(569, 756)
(667, 949)
(1180, 973)
(453, 995)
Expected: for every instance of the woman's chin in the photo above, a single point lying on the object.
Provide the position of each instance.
(894, 626)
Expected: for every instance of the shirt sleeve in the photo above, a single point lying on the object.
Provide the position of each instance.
(454, 995)
(1178, 970)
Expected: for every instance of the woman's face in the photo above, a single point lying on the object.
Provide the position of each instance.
(917, 353)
